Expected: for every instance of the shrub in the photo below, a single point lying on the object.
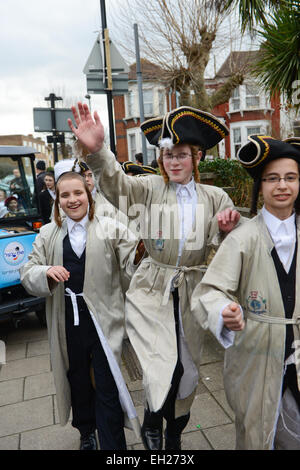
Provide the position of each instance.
(229, 174)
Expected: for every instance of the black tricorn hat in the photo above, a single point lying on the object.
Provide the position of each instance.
(185, 125)
(262, 149)
(130, 167)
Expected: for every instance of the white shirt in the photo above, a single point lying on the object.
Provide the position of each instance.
(283, 233)
(52, 194)
(77, 234)
(187, 200)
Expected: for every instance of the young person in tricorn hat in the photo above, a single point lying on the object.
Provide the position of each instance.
(179, 225)
(255, 296)
(77, 264)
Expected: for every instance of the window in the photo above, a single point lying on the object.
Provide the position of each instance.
(252, 96)
(132, 146)
(235, 99)
(148, 102)
(237, 140)
(253, 130)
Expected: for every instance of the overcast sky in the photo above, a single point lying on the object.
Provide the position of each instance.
(44, 45)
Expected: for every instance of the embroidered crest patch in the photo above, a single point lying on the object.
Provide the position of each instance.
(256, 303)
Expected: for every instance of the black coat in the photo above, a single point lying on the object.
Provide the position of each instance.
(46, 203)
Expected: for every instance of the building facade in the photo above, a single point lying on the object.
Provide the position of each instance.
(248, 111)
(44, 151)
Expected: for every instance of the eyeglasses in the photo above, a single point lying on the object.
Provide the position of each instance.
(277, 179)
(180, 157)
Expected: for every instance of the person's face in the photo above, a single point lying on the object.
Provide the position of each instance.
(13, 206)
(2, 195)
(16, 173)
(73, 198)
(179, 170)
(89, 178)
(279, 197)
(49, 182)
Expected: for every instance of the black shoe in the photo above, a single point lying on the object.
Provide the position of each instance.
(172, 443)
(152, 438)
(88, 442)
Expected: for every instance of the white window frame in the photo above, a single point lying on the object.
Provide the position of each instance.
(264, 126)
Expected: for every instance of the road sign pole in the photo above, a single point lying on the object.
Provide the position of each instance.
(107, 71)
(52, 98)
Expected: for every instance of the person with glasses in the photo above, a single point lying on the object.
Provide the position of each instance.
(179, 222)
(252, 305)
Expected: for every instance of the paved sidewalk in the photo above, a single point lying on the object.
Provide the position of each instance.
(28, 412)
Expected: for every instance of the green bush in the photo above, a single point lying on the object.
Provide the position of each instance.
(231, 175)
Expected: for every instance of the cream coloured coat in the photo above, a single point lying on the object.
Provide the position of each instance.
(109, 250)
(243, 270)
(149, 305)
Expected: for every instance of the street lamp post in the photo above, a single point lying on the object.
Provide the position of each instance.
(108, 90)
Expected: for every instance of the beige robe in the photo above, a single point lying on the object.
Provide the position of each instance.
(149, 304)
(109, 251)
(243, 270)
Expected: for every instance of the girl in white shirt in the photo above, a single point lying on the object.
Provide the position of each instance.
(76, 264)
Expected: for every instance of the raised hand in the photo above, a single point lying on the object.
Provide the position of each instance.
(233, 317)
(228, 219)
(89, 131)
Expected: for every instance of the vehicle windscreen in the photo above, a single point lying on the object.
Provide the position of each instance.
(17, 195)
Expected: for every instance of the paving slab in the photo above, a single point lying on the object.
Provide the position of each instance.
(39, 386)
(221, 437)
(38, 348)
(11, 391)
(54, 437)
(27, 415)
(206, 412)
(15, 351)
(10, 442)
(25, 367)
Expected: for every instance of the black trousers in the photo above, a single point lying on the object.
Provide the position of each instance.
(92, 408)
(174, 426)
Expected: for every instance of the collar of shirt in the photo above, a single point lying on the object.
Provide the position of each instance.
(188, 189)
(94, 192)
(71, 223)
(52, 194)
(279, 227)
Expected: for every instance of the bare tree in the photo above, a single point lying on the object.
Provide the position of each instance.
(180, 36)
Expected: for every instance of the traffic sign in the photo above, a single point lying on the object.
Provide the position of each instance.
(43, 123)
(95, 72)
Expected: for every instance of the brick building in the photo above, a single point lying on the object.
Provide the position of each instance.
(45, 151)
(248, 111)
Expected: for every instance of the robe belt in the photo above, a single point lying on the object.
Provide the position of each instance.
(283, 321)
(70, 293)
(179, 274)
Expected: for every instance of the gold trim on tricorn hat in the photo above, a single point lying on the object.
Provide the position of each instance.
(130, 167)
(186, 125)
(262, 149)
